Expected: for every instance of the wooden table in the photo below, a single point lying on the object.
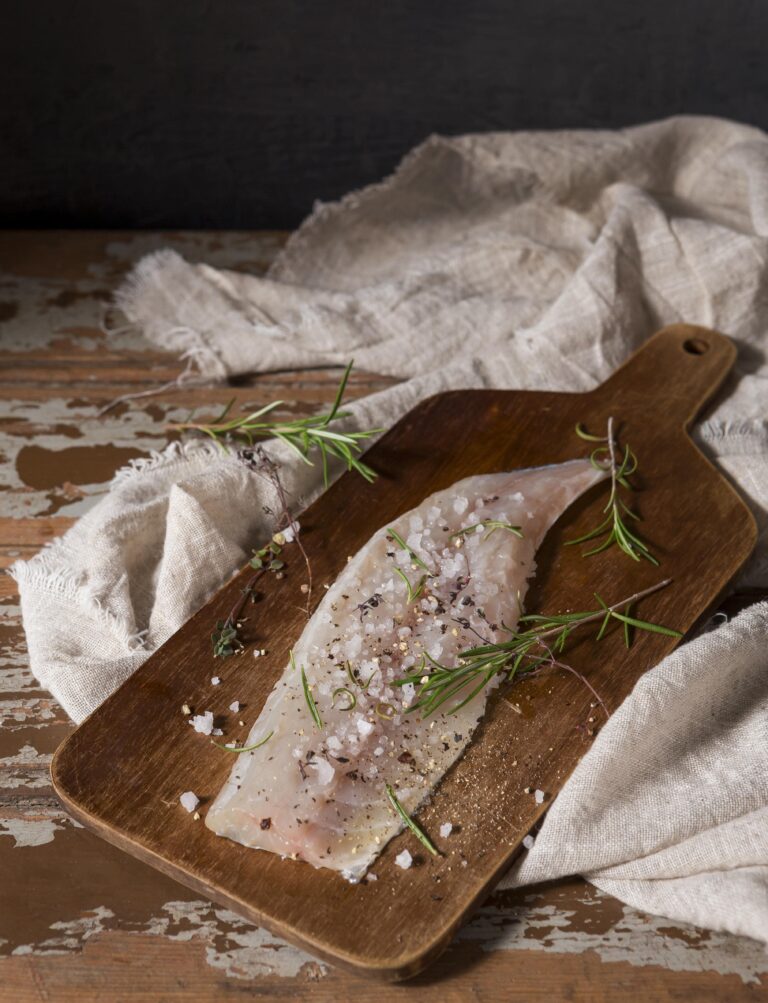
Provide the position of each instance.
(78, 919)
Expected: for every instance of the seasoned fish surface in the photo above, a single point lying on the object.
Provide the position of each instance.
(318, 793)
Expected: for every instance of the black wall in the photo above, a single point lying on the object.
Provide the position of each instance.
(239, 113)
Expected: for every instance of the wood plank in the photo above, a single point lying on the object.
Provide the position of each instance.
(128, 792)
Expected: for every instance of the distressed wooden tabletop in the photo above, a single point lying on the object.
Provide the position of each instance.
(79, 919)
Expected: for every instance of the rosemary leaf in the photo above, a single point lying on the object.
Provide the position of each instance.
(414, 559)
(352, 699)
(244, 748)
(308, 694)
(418, 833)
(489, 526)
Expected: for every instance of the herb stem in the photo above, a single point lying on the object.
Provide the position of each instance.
(601, 613)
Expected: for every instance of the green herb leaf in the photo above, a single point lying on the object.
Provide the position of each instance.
(413, 593)
(490, 526)
(414, 559)
(244, 748)
(524, 652)
(418, 833)
(351, 698)
(301, 435)
(613, 528)
(308, 694)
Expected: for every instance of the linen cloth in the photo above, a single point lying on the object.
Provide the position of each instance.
(528, 260)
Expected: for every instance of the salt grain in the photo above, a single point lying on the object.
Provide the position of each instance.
(203, 723)
(539, 796)
(446, 829)
(215, 681)
(235, 706)
(404, 860)
(528, 842)
(189, 800)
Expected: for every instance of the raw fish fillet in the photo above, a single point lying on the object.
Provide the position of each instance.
(318, 794)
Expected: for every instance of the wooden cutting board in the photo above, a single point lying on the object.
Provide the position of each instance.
(122, 771)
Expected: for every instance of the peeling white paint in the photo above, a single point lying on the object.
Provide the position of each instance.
(27, 768)
(243, 951)
(29, 831)
(27, 712)
(636, 938)
(70, 935)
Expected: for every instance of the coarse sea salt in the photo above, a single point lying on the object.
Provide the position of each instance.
(235, 706)
(404, 860)
(528, 842)
(189, 800)
(203, 723)
(325, 772)
(539, 796)
(364, 727)
(215, 681)
(446, 829)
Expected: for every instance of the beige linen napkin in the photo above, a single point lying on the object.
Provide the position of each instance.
(531, 260)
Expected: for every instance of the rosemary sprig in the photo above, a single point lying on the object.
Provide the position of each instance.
(302, 435)
(489, 526)
(521, 655)
(412, 557)
(413, 593)
(244, 748)
(614, 528)
(422, 837)
(308, 695)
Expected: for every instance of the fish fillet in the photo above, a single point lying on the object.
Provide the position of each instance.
(318, 793)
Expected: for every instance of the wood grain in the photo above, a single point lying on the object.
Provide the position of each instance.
(128, 789)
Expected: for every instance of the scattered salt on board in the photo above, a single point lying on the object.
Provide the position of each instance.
(539, 796)
(189, 800)
(404, 860)
(446, 829)
(203, 723)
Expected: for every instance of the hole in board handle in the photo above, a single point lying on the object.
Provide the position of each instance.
(695, 346)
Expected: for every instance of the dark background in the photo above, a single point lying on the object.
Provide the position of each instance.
(240, 113)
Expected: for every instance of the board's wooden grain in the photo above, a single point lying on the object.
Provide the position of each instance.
(122, 771)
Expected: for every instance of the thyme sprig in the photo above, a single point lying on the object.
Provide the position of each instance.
(315, 713)
(302, 435)
(489, 527)
(521, 655)
(225, 639)
(422, 837)
(614, 528)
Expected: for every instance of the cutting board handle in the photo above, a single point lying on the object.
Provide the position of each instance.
(682, 366)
